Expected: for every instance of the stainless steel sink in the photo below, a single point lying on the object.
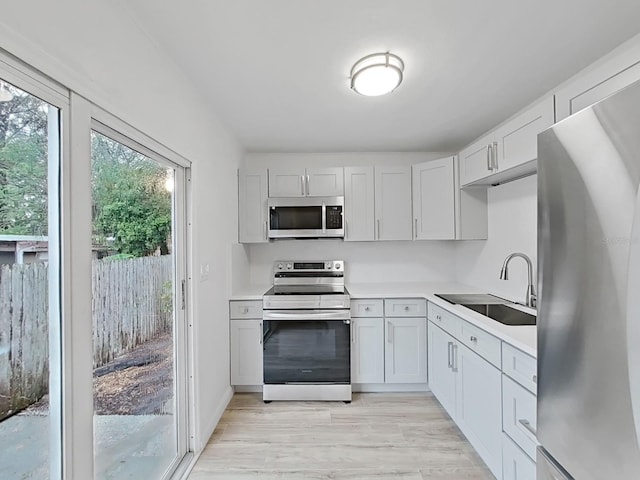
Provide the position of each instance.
(468, 298)
(502, 313)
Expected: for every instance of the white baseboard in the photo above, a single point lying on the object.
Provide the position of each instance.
(390, 387)
(248, 388)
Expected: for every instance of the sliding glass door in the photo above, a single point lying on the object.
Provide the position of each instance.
(137, 309)
(30, 345)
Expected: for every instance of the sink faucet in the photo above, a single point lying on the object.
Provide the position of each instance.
(504, 275)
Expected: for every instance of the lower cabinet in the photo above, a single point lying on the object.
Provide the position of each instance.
(367, 350)
(388, 349)
(516, 465)
(479, 405)
(469, 388)
(405, 351)
(246, 352)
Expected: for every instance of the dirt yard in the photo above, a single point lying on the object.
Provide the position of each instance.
(137, 383)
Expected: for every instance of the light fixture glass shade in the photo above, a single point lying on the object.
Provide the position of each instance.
(377, 74)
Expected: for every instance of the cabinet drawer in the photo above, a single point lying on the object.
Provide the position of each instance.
(520, 367)
(366, 308)
(483, 343)
(515, 464)
(445, 320)
(405, 307)
(519, 415)
(239, 309)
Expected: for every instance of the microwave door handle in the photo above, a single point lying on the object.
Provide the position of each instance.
(324, 218)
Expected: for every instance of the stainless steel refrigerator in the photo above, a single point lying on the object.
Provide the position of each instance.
(589, 293)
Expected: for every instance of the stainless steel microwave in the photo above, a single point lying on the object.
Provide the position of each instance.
(306, 217)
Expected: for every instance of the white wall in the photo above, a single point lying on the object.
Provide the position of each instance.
(512, 210)
(366, 262)
(94, 48)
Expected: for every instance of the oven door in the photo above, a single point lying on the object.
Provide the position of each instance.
(307, 347)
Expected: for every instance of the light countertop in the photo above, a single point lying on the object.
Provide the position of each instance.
(522, 337)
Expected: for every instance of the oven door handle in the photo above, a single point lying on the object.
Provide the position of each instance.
(306, 315)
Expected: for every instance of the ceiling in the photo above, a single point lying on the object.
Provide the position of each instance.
(276, 71)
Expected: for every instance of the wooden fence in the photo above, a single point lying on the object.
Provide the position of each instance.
(131, 303)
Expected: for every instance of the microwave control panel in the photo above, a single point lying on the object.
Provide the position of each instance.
(334, 217)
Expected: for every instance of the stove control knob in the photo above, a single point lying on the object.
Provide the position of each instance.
(337, 266)
(280, 266)
(289, 266)
(327, 265)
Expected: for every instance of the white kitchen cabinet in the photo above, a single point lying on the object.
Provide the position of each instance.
(246, 352)
(608, 75)
(479, 405)
(393, 203)
(510, 151)
(434, 200)
(252, 205)
(359, 204)
(306, 182)
(519, 417)
(367, 350)
(442, 378)
(405, 350)
(516, 465)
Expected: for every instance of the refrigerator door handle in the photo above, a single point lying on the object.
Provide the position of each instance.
(633, 312)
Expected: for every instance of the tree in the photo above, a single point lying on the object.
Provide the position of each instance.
(23, 164)
(131, 205)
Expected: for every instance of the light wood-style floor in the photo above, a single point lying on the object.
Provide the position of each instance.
(377, 436)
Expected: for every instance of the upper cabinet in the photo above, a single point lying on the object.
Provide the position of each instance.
(359, 212)
(252, 205)
(443, 211)
(434, 200)
(605, 77)
(509, 151)
(306, 182)
(393, 203)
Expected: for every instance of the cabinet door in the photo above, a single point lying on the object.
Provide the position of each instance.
(608, 75)
(246, 352)
(393, 203)
(405, 350)
(433, 200)
(367, 350)
(442, 378)
(517, 140)
(325, 182)
(289, 182)
(252, 205)
(359, 204)
(515, 464)
(479, 406)
(475, 161)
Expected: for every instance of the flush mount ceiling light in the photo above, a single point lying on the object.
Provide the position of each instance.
(377, 74)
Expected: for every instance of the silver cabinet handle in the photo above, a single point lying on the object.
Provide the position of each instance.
(346, 229)
(416, 230)
(489, 159)
(473, 338)
(261, 333)
(307, 185)
(366, 309)
(406, 308)
(389, 332)
(535, 379)
(454, 357)
(449, 356)
(266, 236)
(531, 432)
(353, 331)
(438, 317)
(378, 224)
(495, 156)
(245, 310)
(302, 184)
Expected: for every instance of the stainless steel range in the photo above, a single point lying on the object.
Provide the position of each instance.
(307, 333)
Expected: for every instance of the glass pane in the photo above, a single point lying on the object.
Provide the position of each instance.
(133, 316)
(296, 218)
(29, 360)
